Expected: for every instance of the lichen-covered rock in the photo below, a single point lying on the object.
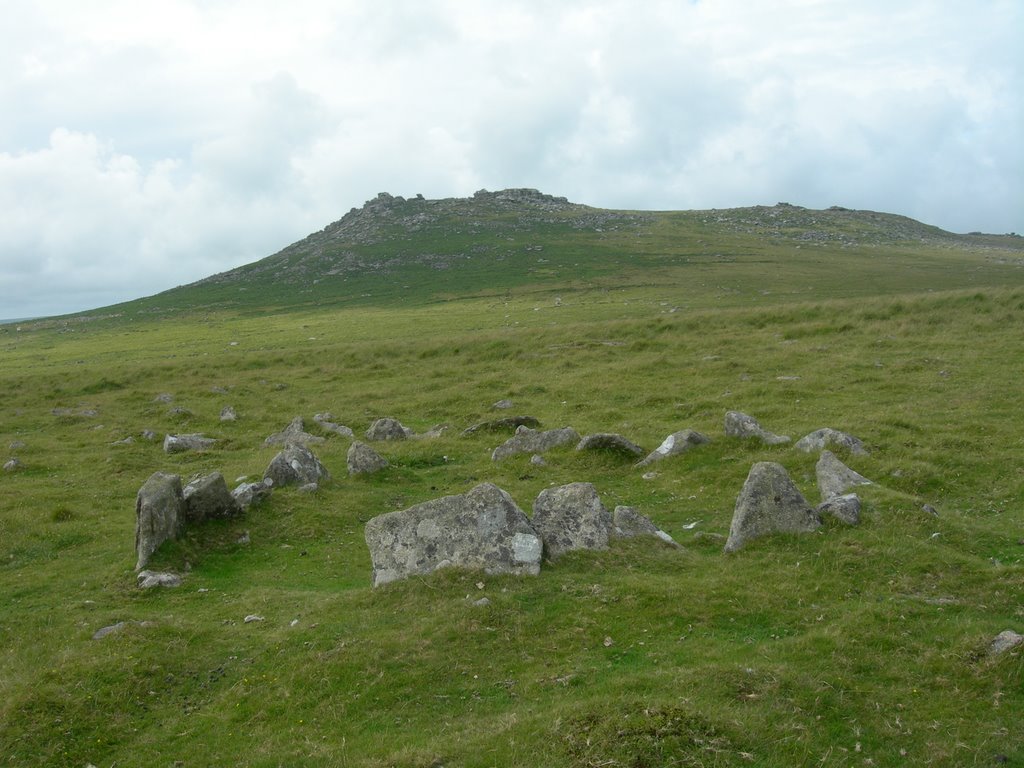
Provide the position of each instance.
(527, 440)
(827, 437)
(845, 508)
(674, 444)
(295, 465)
(482, 529)
(159, 515)
(611, 442)
(363, 460)
(251, 494)
(507, 424)
(570, 517)
(295, 433)
(769, 503)
(208, 497)
(741, 425)
(150, 579)
(628, 523)
(183, 443)
(388, 429)
(834, 477)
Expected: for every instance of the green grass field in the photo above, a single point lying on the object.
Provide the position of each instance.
(847, 647)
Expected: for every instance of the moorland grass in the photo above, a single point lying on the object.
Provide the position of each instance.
(836, 648)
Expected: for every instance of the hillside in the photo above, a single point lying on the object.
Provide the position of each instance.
(853, 645)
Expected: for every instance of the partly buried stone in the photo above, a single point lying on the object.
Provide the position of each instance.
(183, 443)
(251, 494)
(208, 497)
(610, 442)
(506, 424)
(769, 503)
(741, 425)
(503, 404)
(228, 413)
(570, 517)
(150, 579)
(12, 464)
(481, 529)
(527, 440)
(294, 433)
(99, 634)
(628, 523)
(295, 465)
(827, 437)
(834, 477)
(388, 429)
(674, 444)
(326, 421)
(159, 514)
(1005, 641)
(363, 460)
(846, 508)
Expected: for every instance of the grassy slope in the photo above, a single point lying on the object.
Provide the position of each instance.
(836, 648)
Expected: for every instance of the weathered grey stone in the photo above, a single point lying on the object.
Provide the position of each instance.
(769, 503)
(363, 460)
(150, 579)
(846, 508)
(527, 440)
(16, 445)
(387, 429)
(124, 441)
(295, 465)
(827, 437)
(434, 432)
(674, 444)
(208, 497)
(711, 538)
(309, 488)
(149, 434)
(99, 634)
(481, 529)
(181, 411)
(164, 397)
(182, 443)
(627, 523)
(508, 423)
(538, 461)
(834, 477)
(611, 442)
(570, 517)
(295, 433)
(741, 425)
(326, 421)
(12, 464)
(1005, 641)
(251, 494)
(228, 413)
(159, 514)
(503, 405)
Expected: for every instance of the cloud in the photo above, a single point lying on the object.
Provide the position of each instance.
(146, 147)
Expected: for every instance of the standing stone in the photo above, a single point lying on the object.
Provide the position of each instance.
(628, 523)
(387, 429)
(208, 497)
(846, 508)
(295, 465)
(674, 444)
(527, 440)
(571, 517)
(610, 442)
(363, 460)
(834, 477)
(769, 503)
(481, 529)
(159, 515)
(741, 425)
(824, 437)
(294, 433)
(182, 443)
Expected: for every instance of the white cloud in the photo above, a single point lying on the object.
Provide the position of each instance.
(145, 146)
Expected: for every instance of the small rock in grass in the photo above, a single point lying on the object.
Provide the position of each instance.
(1005, 641)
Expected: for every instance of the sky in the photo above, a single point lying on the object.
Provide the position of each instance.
(149, 145)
